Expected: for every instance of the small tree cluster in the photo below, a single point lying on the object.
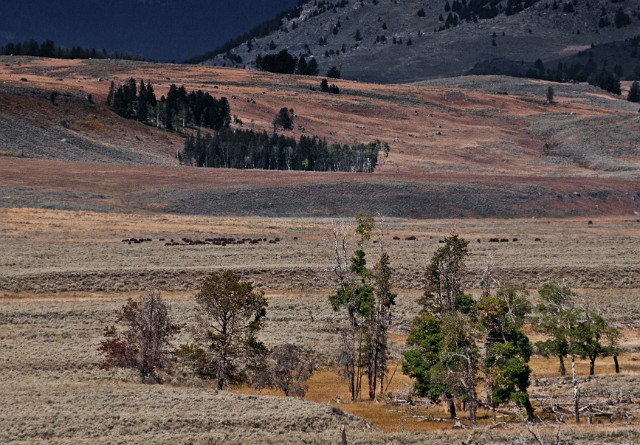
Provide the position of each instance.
(572, 330)
(178, 109)
(285, 63)
(456, 343)
(445, 356)
(326, 88)
(305, 68)
(225, 347)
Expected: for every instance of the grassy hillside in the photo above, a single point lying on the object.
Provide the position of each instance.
(450, 141)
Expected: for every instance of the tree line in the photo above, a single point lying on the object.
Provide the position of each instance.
(285, 63)
(248, 149)
(176, 111)
(50, 49)
(577, 72)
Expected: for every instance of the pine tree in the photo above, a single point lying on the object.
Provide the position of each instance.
(110, 96)
(634, 92)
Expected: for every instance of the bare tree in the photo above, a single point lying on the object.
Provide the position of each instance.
(143, 343)
(289, 368)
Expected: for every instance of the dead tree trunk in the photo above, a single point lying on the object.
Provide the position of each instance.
(576, 392)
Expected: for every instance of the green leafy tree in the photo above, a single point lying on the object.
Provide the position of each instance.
(143, 343)
(612, 336)
(556, 316)
(588, 338)
(459, 361)
(507, 348)
(232, 313)
(356, 295)
(444, 356)
(442, 359)
(426, 342)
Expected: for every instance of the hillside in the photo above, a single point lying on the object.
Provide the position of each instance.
(405, 41)
(451, 142)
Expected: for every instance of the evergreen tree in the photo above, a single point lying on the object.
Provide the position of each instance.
(312, 67)
(110, 95)
(634, 92)
(233, 312)
(550, 94)
(333, 72)
(284, 119)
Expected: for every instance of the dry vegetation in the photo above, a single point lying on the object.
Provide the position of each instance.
(64, 270)
(64, 275)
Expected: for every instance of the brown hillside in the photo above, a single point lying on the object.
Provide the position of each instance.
(462, 147)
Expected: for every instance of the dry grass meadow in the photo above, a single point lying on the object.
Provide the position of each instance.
(64, 274)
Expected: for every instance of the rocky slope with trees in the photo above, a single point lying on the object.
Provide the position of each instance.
(393, 41)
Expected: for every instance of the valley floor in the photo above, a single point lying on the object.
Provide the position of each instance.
(64, 274)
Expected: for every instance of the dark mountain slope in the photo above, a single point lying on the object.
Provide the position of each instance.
(402, 41)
